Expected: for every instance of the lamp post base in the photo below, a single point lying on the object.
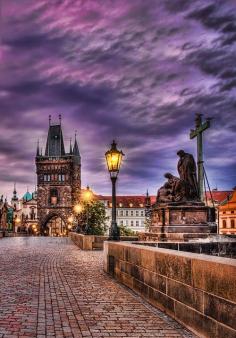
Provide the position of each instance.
(114, 232)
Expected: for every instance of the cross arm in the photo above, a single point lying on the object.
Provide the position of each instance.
(200, 129)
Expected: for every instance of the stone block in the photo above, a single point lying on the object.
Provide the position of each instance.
(137, 272)
(125, 267)
(195, 321)
(221, 310)
(185, 294)
(174, 266)
(132, 255)
(126, 279)
(225, 332)
(148, 260)
(161, 301)
(116, 250)
(216, 276)
(140, 287)
(154, 280)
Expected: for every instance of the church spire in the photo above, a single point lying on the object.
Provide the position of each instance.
(55, 144)
(37, 151)
(71, 150)
(76, 147)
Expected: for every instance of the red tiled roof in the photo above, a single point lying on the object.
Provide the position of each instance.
(218, 196)
(127, 201)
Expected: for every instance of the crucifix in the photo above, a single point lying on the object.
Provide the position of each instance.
(200, 127)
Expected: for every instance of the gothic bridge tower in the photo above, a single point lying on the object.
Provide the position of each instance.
(59, 182)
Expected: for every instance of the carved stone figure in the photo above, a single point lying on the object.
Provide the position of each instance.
(187, 172)
(178, 187)
(165, 193)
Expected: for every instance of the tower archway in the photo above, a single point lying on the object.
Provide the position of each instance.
(54, 225)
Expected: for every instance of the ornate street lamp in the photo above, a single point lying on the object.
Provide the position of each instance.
(78, 208)
(114, 158)
(87, 197)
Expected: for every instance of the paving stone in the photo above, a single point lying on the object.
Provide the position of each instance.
(49, 288)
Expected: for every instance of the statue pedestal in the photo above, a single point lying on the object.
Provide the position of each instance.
(175, 221)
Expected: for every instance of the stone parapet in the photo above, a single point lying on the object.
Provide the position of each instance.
(199, 291)
(91, 242)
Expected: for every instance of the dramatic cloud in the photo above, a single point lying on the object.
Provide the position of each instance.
(136, 71)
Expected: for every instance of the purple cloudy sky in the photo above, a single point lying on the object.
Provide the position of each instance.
(136, 71)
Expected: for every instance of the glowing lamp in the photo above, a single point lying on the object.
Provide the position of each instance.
(78, 208)
(87, 194)
(113, 159)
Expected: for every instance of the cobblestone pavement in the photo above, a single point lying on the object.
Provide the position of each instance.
(49, 288)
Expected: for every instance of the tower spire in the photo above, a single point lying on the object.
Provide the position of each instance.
(37, 151)
(76, 147)
(71, 150)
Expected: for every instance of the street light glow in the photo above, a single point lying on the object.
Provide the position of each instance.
(78, 208)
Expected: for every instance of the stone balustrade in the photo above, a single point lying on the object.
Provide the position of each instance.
(197, 290)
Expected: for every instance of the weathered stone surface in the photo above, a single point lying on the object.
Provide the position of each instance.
(223, 331)
(185, 294)
(185, 285)
(140, 287)
(154, 280)
(174, 266)
(132, 255)
(216, 276)
(161, 301)
(193, 319)
(221, 310)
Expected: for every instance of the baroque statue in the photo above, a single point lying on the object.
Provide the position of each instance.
(183, 188)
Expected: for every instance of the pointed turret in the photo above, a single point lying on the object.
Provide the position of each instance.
(76, 147)
(55, 143)
(147, 200)
(71, 150)
(37, 151)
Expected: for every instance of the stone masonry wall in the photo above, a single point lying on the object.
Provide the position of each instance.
(197, 290)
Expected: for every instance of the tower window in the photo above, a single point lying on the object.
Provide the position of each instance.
(54, 196)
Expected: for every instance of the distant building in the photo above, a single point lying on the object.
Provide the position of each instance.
(131, 210)
(227, 215)
(59, 182)
(3, 214)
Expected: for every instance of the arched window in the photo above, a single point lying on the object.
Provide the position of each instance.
(232, 222)
(224, 223)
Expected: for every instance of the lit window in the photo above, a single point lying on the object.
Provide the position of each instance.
(120, 205)
(131, 205)
(141, 205)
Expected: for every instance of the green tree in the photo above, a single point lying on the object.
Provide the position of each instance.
(92, 219)
(125, 231)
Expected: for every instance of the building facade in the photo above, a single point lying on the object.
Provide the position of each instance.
(131, 210)
(227, 215)
(58, 181)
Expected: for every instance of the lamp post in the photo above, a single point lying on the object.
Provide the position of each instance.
(78, 208)
(113, 159)
(87, 197)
